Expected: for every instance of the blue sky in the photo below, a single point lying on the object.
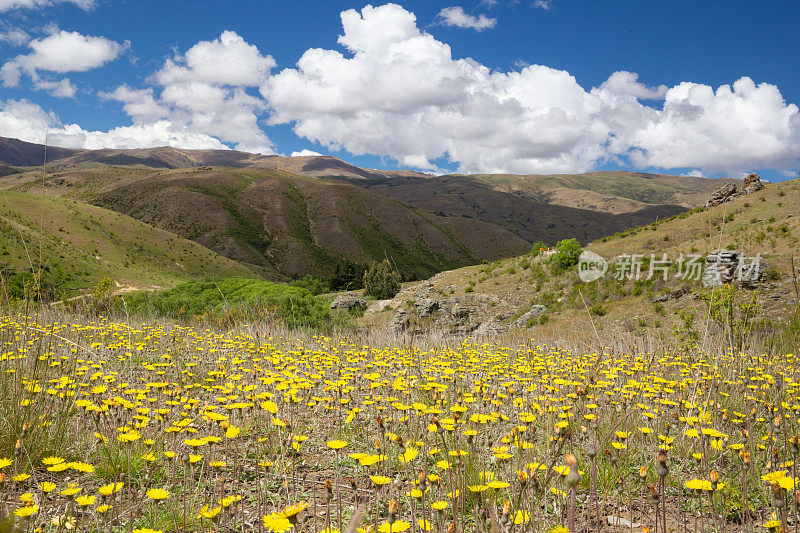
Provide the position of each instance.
(489, 86)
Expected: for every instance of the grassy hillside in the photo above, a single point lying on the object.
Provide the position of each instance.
(609, 187)
(531, 215)
(80, 244)
(6, 170)
(766, 222)
(287, 225)
(635, 197)
(280, 223)
(288, 217)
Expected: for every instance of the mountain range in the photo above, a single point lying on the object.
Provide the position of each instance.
(283, 217)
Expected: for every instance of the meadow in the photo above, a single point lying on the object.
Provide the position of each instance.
(124, 424)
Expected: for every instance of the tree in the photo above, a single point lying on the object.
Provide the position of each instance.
(567, 253)
(347, 276)
(382, 281)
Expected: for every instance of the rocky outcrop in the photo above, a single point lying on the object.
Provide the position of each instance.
(728, 266)
(723, 194)
(752, 183)
(348, 301)
(535, 312)
(400, 321)
(425, 306)
(490, 329)
(671, 295)
(459, 312)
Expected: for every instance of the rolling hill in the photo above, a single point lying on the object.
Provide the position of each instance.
(496, 295)
(282, 224)
(290, 216)
(79, 244)
(18, 153)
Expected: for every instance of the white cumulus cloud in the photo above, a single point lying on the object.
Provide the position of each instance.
(60, 52)
(305, 152)
(61, 89)
(732, 128)
(227, 60)
(393, 90)
(67, 51)
(7, 5)
(455, 16)
(208, 91)
(27, 121)
(139, 104)
(397, 91)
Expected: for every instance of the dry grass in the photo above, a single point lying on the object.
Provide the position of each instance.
(246, 423)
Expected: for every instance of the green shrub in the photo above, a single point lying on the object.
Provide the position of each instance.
(598, 309)
(567, 253)
(382, 281)
(313, 284)
(537, 248)
(29, 285)
(734, 310)
(235, 298)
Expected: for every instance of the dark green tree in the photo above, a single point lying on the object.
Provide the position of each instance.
(382, 281)
(347, 276)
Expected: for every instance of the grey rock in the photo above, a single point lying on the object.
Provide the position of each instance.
(720, 267)
(448, 303)
(660, 298)
(722, 194)
(425, 306)
(400, 321)
(489, 329)
(752, 183)
(535, 311)
(459, 312)
(348, 301)
(727, 266)
(753, 271)
(621, 522)
(424, 292)
(677, 293)
(463, 329)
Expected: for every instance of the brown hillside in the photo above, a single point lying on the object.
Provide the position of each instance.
(20, 153)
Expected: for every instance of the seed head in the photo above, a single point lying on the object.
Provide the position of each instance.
(506, 510)
(714, 477)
